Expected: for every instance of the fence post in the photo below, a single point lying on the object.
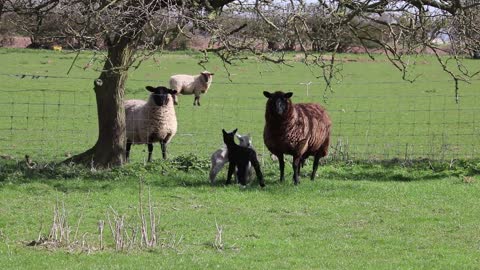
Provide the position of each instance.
(308, 86)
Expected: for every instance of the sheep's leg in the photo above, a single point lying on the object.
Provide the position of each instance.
(281, 163)
(296, 169)
(322, 152)
(315, 165)
(150, 150)
(175, 99)
(196, 101)
(217, 165)
(163, 144)
(127, 153)
(302, 162)
(324, 148)
(231, 170)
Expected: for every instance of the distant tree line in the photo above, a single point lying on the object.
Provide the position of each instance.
(44, 23)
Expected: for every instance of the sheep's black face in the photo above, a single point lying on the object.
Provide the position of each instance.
(160, 99)
(279, 101)
(207, 76)
(228, 137)
(160, 94)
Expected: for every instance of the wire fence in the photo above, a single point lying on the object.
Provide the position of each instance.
(52, 124)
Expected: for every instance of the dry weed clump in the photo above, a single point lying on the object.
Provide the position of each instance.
(126, 235)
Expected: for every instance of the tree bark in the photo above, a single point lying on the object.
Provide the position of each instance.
(109, 150)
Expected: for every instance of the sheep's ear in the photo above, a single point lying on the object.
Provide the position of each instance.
(173, 92)
(288, 95)
(267, 94)
(150, 88)
(235, 131)
(224, 132)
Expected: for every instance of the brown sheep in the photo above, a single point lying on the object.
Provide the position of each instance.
(300, 130)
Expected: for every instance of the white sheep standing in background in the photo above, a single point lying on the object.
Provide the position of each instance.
(220, 157)
(151, 121)
(191, 84)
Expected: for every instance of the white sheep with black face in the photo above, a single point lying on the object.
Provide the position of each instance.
(151, 121)
(191, 84)
(220, 157)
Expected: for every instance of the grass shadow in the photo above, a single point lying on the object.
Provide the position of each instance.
(398, 170)
(191, 171)
(61, 177)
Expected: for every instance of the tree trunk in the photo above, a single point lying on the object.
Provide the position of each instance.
(109, 150)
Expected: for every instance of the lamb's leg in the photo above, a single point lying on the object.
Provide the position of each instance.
(150, 150)
(231, 170)
(127, 153)
(217, 165)
(281, 163)
(163, 144)
(296, 169)
(258, 172)
(241, 174)
(250, 171)
(175, 99)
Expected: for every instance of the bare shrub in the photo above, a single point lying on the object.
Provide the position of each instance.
(124, 232)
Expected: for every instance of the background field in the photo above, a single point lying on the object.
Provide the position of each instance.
(360, 213)
(376, 115)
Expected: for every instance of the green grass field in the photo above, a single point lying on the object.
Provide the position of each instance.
(353, 216)
(376, 115)
(357, 214)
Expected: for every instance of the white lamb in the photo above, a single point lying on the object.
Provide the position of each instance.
(151, 121)
(220, 157)
(191, 84)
